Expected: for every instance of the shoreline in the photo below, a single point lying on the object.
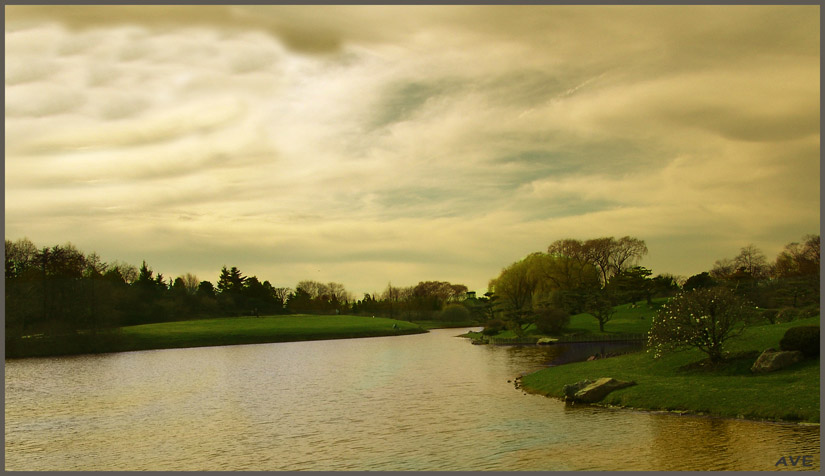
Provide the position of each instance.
(213, 333)
(679, 413)
(674, 384)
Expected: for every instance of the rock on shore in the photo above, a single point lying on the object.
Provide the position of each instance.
(772, 359)
(588, 391)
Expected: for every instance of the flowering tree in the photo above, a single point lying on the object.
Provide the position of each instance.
(702, 318)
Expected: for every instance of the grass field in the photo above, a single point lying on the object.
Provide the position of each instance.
(250, 330)
(445, 325)
(730, 390)
(626, 320)
(227, 331)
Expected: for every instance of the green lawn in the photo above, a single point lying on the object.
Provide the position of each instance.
(731, 390)
(445, 325)
(225, 331)
(626, 320)
(248, 330)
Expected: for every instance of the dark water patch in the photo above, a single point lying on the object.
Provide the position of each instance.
(581, 351)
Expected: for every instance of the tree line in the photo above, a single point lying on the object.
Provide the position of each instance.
(593, 276)
(425, 301)
(59, 290)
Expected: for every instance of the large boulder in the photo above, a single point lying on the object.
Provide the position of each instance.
(587, 391)
(571, 389)
(772, 359)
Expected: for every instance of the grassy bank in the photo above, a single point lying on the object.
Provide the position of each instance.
(730, 390)
(215, 332)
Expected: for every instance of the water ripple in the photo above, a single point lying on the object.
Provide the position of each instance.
(425, 402)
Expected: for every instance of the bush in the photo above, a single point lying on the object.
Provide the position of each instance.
(802, 338)
(788, 314)
(455, 313)
(770, 315)
(551, 320)
(493, 327)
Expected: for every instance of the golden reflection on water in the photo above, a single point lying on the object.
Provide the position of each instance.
(729, 444)
(423, 402)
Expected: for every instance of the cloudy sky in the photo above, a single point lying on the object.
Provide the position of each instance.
(367, 145)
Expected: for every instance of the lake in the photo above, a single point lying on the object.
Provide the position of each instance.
(419, 402)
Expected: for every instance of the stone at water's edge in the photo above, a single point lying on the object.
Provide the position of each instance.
(592, 392)
(772, 359)
(571, 389)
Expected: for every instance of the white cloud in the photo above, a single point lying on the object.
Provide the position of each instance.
(427, 143)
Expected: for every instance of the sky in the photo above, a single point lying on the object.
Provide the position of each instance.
(369, 145)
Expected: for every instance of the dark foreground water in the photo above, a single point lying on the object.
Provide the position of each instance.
(420, 402)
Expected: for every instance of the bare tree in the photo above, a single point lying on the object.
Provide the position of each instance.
(281, 295)
(191, 283)
(799, 259)
(625, 253)
(609, 255)
(598, 251)
(723, 268)
(313, 288)
(128, 272)
(752, 261)
(337, 291)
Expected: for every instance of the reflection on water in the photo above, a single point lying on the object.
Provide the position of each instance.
(731, 444)
(421, 402)
(559, 354)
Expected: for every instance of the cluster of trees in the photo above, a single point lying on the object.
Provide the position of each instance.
(312, 297)
(425, 301)
(574, 276)
(717, 305)
(595, 275)
(790, 281)
(59, 290)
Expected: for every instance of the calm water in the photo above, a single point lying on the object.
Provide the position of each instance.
(421, 402)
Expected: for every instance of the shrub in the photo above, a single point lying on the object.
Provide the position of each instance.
(788, 314)
(493, 327)
(551, 320)
(802, 338)
(770, 315)
(810, 311)
(703, 318)
(455, 313)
